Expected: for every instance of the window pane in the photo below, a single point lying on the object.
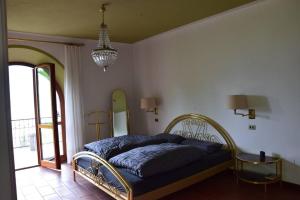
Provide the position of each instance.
(61, 144)
(47, 144)
(23, 116)
(58, 108)
(44, 89)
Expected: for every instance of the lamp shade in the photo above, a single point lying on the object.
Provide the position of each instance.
(148, 104)
(237, 102)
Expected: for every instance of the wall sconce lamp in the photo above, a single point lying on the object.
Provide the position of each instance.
(240, 102)
(149, 105)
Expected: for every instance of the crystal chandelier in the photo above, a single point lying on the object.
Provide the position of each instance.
(104, 55)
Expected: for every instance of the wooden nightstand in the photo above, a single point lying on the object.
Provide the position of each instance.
(254, 177)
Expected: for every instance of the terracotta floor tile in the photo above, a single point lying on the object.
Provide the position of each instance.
(34, 197)
(89, 197)
(46, 190)
(81, 192)
(61, 191)
(55, 183)
(69, 197)
(29, 190)
(40, 183)
(52, 197)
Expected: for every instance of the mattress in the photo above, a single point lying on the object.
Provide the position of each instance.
(144, 185)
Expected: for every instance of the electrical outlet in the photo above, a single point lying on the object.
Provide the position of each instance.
(252, 127)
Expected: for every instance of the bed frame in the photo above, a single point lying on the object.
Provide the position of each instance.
(189, 126)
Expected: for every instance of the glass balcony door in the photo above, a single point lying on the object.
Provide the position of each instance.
(23, 115)
(46, 116)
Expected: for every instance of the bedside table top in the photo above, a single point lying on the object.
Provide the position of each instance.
(255, 159)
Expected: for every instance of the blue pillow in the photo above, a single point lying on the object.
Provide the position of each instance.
(170, 138)
(135, 141)
(209, 147)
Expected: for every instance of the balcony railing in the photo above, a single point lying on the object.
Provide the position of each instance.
(24, 132)
(24, 141)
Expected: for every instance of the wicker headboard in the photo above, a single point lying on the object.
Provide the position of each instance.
(200, 127)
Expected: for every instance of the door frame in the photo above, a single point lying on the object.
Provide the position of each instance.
(8, 180)
(60, 93)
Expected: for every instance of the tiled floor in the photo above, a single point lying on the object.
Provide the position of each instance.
(41, 183)
(44, 184)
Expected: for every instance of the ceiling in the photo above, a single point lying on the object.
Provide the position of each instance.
(128, 20)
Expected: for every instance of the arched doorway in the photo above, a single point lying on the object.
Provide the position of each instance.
(35, 56)
(26, 140)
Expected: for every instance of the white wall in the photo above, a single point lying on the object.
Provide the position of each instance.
(252, 50)
(97, 86)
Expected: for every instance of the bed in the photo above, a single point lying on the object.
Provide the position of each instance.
(151, 167)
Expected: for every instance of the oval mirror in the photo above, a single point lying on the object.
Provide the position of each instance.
(119, 113)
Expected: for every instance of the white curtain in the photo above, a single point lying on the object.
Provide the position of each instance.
(73, 103)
